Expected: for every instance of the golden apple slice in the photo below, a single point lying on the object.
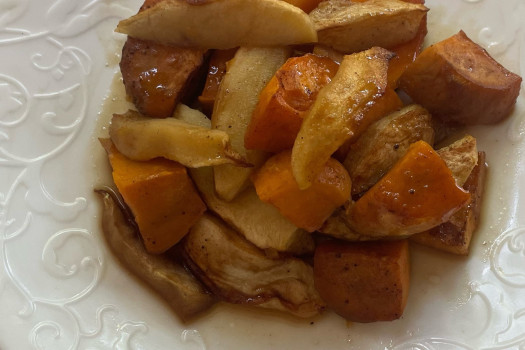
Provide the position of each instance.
(247, 74)
(259, 222)
(352, 27)
(221, 24)
(142, 138)
(191, 116)
(339, 112)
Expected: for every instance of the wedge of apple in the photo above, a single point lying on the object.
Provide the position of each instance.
(340, 111)
(191, 116)
(221, 24)
(259, 222)
(247, 74)
(355, 26)
(143, 138)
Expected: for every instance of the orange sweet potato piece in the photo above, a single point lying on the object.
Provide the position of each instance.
(161, 196)
(455, 235)
(363, 282)
(284, 101)
(418, 193)
(216, 71)
(156, 76)
(460, 83)
(309, 208)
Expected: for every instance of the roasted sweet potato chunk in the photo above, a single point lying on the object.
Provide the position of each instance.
(455, 235)
(161, 196)
(460, 83)
(307, 208)
(284, 101)
(156, 75)
(363, 282)
(418, 193)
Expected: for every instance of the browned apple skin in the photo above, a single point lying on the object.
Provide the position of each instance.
(167, 277)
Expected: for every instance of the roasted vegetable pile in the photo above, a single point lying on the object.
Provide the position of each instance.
(271, 162)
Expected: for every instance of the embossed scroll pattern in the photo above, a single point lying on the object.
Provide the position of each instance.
(504, 323)
(43, 113)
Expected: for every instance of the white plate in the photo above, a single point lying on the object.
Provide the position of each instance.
(61, 289)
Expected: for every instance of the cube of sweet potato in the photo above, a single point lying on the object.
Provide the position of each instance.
(418, 193)
(363, 282)
(308, 208)
(460, 83)
(161, 196)
(156, 75)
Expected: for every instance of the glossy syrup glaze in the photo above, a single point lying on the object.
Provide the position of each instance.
(61, 289)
